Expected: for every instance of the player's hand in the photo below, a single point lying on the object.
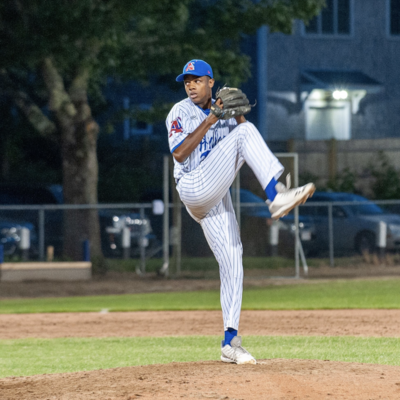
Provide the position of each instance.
(212, 119)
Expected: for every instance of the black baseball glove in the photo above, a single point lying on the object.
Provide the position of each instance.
(235, 103)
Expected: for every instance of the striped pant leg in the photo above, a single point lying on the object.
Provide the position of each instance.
(222, 233)
(204, 187)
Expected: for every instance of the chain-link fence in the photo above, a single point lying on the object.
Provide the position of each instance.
(337, 234)
(39, 232)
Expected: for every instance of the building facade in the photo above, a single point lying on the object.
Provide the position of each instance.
(337, 77)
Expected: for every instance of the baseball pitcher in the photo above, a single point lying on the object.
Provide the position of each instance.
(210, 140)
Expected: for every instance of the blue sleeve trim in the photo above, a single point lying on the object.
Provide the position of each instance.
(177, 146)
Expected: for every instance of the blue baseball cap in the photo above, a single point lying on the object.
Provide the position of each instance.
(195, 67)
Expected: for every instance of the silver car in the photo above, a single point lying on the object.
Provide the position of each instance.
(355, 226)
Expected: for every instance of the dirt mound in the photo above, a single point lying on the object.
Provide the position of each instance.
(270, 379)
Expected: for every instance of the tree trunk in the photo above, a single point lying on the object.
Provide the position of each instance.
(78, 142)
(80, 176)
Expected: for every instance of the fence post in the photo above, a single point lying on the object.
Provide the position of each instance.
(25, 243)
(50, 253)
(296, 217)
(302, 255)
(165, 267)
(86, 250)
(274, 238)
(178, 246)
(142, 244)
(330, 221)
(126, 242)
(381, 238)
(177, 230)
(41, 234)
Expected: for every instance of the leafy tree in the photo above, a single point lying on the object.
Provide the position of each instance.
(54, 54)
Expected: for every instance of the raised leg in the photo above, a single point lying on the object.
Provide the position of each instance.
(203, 188)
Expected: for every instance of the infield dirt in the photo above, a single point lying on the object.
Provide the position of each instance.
(270, 379)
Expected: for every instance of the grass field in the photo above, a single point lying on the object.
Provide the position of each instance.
(43, 356)
(377, 293)
(38, 356)
(195, 264)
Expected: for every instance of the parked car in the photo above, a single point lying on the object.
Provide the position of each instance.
(112, 222)
(256, 220)
(112, 225)
(10, 236)
(354, 225)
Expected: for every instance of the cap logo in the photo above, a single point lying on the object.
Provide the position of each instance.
(190, 67)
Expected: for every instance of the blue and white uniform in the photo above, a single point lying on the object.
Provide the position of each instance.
(203, 182)
(182, 120)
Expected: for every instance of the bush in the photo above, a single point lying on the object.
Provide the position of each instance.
(386, 183)
(343, 182)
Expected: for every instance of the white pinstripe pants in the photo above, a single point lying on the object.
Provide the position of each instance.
(205, 193)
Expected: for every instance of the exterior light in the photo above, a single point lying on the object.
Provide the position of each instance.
(317, 94)
(340, 94)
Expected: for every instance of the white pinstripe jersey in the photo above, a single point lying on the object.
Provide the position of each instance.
(182, 120)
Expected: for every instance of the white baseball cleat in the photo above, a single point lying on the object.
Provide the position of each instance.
(235, 353)
(287, 199)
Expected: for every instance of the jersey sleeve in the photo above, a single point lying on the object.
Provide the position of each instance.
(178, 126)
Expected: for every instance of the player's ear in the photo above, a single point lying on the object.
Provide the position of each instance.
(211, 82)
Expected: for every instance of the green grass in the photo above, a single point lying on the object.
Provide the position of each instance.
(377, 293)
(209, 264)
(42, 356)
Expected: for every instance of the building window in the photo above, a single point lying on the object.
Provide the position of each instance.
(335, 19)
(134, 127)
(394, 17)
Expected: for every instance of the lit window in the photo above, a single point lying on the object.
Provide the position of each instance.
(394, 18)
(335, 19)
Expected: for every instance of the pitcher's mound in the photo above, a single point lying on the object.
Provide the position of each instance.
(270, 379)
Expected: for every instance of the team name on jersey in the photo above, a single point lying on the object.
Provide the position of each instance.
(209, 142)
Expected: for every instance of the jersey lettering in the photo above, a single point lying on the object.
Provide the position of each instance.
(209, 142)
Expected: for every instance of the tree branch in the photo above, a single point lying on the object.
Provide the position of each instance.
(34, 115)
(28, 107)
(59, 100)
(78, 88)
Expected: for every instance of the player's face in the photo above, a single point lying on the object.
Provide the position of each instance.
(198, 89)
